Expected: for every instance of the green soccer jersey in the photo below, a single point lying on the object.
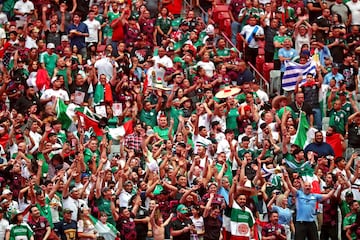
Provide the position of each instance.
(348, 109)
(223, 52)
(45, 211)
(279, 39)
(338, 119)
(163, 132)
(22, 231)
(148, 117)
(111, 17)
(349, 220)
(164, 24)
(105, 206)
(49, 61)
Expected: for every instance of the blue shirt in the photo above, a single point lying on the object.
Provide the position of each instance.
(306, 206)
(285, 214)
(79, 41)
(338, 77)
(287, 53)
(244, 77)
(225, 193)
(323, 149)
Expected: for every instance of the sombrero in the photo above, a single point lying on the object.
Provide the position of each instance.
(276, 101)
(158, 84)
(161, 87)
(227, 92)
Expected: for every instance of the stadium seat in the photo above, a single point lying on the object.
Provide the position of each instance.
(275, 81)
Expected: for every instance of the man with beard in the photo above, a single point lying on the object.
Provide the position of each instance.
(273, 229)
(305, 225)
(39, 224)
(320, 147)
(336, 141)
(27, 100)
(242, 219)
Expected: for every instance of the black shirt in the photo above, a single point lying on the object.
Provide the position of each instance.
(65, 230)
(349, 73)
(354, 135)
(178, 224)
(83, 88)
(311, 94)
(270, 33)
(23, 104)
(305, 107)
(141, 228)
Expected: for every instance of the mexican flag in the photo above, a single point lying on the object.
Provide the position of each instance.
(125, 129)
(306, 172)
(89, 120)
(304, 134)
(108, 231)
(303, 127)
(65, 113)
(241, 221)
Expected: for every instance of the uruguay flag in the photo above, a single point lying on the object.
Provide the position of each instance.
(292, 72)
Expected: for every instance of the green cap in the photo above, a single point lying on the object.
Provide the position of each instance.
(182, 209)
(177, 59)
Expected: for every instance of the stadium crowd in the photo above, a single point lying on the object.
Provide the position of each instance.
(141, 120)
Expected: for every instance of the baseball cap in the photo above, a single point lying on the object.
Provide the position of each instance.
(67, 210)
(128, 182)
(349, 194)
(64, 38)
(7, 191)
(181, 208)
(335, 65)
(50, 45)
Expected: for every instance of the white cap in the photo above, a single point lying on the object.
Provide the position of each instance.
(64, 38)
(210, 29)
(50, 45)
(53, 79)
(6, 191)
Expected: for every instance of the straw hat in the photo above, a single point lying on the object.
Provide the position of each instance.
(276, 101)
(184, 99)
(161, 87)
(227, 92)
